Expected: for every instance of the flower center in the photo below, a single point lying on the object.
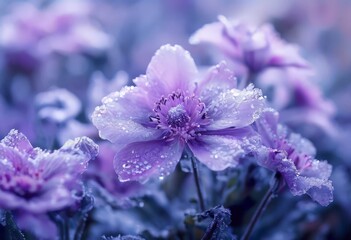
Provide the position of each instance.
(180, 115)
(23, 185)
(177, 116)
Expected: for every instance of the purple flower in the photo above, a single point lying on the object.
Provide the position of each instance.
(255, 47)
(57, 105)
(37, 181)
(63, 27)
(299, 101)
(172, 108)
(294, 158)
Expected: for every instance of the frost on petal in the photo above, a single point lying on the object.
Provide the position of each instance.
(40, 181)
(302, 145)
(218, 78)
(320, 190)
(81, 145)
(171, 69)
(18, 141)
(322, 193)
(318, 169)
(316, 177)
(70, 160)
(123, 117)
(267, 126)
(11, 160)
(219, 152)
(312, 180)
(141, 160)
(236, 108)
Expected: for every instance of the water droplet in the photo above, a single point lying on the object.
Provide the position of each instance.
(126, 165)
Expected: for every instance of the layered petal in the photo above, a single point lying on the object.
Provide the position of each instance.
(217, 79)
(315, 182)
(302, 145)
(69, 161)
(267, 127)
(142, 160)
(18, 141)
(256, 47)
(219, 150)
(43, 181)
(12, 161)
(171, 69)
(235, 108)
(311, 179)
(124, 116)
(215, 33)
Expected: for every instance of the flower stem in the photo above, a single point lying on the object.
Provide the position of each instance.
(62, 224)
(81, 227)
(211, 229)
(270, 194)
(15, 232)
(197, 183)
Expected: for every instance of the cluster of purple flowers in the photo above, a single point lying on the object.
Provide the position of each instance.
(174, 109)
(186, 150)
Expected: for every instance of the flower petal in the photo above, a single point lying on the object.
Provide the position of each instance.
(298, 116)
(281, 53)
(123, 117)
(322, 193)
(142, 160)
(171, 69)
(219, 152)
(217, 79)
(51, 199)
(69, 161)
(216, 34)
(302, 145)
(18, 141)
(11, 161)
(236, 108)
(312, 180)
(80, 145)
(267, 127)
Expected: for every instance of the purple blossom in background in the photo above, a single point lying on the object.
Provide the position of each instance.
(64, 27)
(57, 105)
(74, 129)
(38, 181)
(256, 47)
(299, 100)
(100, 87)
(294, 158)
(172, 108)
